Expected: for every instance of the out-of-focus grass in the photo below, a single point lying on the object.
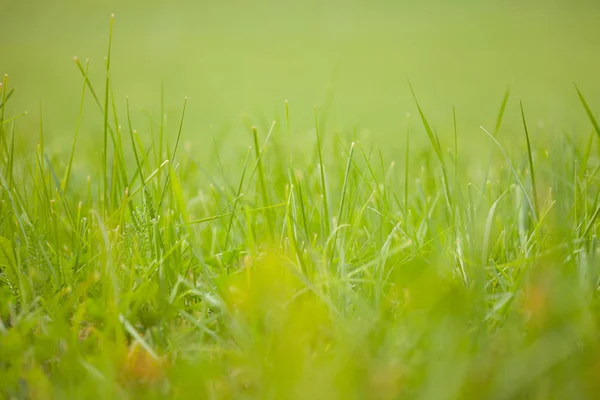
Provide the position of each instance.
(236, 59)
(306, 257)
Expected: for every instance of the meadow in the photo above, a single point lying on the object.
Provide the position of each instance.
(281, 200)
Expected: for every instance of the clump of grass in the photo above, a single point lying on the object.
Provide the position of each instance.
(154, 279)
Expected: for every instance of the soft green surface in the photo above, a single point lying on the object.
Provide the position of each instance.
(367, 254)
(237, 58)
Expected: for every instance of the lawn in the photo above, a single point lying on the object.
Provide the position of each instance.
(327, 200)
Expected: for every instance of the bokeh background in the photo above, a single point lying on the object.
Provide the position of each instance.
(237, 61)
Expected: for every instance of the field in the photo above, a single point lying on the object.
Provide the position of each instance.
(280, 200)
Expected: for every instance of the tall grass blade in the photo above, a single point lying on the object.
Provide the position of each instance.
(164, 191)
(106, 204)
(530, 157)
(514, 171)
(326, 222)
(588, 111)
(342, 200)
(65, 180)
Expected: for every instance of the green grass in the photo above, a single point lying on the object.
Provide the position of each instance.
(132, 265)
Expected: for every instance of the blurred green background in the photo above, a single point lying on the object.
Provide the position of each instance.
(239, 60)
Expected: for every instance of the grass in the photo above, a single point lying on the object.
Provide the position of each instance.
(329, 273)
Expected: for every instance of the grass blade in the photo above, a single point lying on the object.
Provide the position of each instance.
(588, 111)
(261, 177)
(500, 116)
(323, 181)
(435, 143)
(342, 199)
(533, 186)
(514, 171)
(106, 204)
(164, 191)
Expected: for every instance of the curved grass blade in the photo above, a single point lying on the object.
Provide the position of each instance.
(588, 111)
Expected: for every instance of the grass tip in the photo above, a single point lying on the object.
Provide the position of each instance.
(76, 58)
